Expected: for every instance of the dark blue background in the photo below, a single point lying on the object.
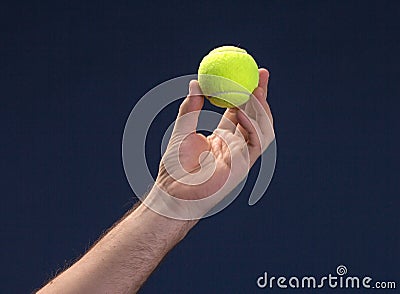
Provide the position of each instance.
(70, 74)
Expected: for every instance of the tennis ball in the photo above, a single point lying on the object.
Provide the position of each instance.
(227, 76)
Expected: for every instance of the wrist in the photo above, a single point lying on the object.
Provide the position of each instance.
(173, 229)
(162, 202)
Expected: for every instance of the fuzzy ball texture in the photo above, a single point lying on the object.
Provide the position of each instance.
(227, 76)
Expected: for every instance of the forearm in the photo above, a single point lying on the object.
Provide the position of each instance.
(124, 258)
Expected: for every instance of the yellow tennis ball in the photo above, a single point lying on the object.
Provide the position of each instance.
(227, 76)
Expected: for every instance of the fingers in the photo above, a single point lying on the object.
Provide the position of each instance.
(229, 120)
(259, 109)
(194, 100)
(189, 110)
(263, 84)
(253, 135)
(255, 118)
(261, 92)
(263, 80)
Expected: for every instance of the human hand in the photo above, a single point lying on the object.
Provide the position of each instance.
(195, 167)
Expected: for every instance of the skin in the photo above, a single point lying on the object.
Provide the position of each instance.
(122, 260)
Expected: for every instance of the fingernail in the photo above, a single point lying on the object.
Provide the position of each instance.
(190, 87)
(193, 88)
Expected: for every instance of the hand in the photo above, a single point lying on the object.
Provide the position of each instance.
(195, 167)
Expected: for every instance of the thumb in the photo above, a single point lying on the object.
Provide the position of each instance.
(189, 110)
